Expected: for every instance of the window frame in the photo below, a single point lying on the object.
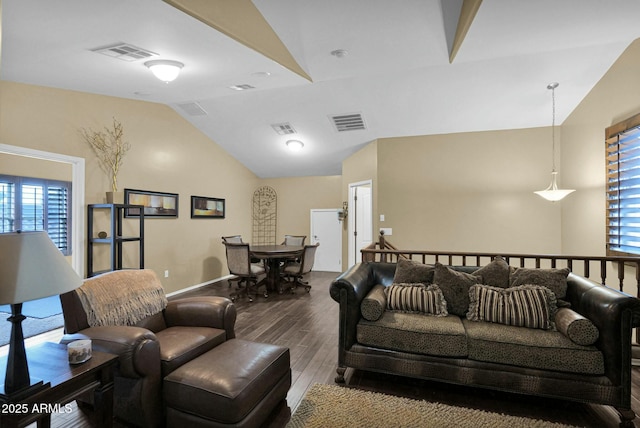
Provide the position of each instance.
(612, 135)
(19, 181)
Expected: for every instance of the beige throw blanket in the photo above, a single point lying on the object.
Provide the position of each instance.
(122, 297)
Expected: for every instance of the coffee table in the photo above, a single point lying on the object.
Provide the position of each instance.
(63, 382)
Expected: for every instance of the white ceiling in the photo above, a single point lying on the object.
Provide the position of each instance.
(396, 74)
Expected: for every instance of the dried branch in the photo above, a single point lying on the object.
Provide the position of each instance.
(110, 148)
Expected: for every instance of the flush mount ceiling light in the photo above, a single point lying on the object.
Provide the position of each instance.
(165, 69)
(552, 193)
(295, 145)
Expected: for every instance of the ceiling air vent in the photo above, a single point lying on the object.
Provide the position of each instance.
(348, 122)
(125, 52)
(242, 87)
(193, 109)
(283, 128)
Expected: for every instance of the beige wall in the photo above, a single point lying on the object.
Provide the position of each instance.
(614, 98)
(168, 155)
(467, 192)
(472, 191)
(30, 167)
(297, 196)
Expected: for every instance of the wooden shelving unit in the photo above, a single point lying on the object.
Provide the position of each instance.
(114, 238)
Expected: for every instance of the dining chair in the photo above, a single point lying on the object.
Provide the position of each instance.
(297, 240)
(237, 239)
(294, 272)
(239, 264)
(234, 239)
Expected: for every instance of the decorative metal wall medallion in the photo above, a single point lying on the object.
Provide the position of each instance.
(265, 216)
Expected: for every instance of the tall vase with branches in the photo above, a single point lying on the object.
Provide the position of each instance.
(110, 147)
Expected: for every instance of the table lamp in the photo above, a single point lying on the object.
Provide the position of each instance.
(31, 267)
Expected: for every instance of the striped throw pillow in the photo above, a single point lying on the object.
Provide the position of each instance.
(531, 306)
(416, 298)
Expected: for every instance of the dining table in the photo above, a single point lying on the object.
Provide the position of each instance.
(274, 256)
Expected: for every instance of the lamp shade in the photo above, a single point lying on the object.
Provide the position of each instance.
(552, 193)
(32, 267)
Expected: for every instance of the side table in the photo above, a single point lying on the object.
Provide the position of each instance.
(49, 362)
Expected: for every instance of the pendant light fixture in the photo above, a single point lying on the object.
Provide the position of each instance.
(552, 193)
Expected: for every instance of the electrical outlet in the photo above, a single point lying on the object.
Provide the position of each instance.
(166, 274)
(387, 231)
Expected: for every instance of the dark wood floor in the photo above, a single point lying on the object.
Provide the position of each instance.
(307, 324)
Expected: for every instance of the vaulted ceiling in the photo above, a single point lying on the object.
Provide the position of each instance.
(403, 69)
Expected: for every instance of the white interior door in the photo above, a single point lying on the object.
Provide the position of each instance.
(326, 229)
(360, 219)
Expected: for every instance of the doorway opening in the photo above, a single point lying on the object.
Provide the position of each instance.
(77, 196)
(360, 219)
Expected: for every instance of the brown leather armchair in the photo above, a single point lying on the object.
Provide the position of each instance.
(149, 348)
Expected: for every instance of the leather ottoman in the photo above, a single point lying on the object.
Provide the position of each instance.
(238, 383)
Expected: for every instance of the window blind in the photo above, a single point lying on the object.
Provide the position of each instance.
(623, 192)
(7, 206)
(32, 204)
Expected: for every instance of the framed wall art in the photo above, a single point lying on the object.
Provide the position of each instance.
(156, 204)
(204, 207)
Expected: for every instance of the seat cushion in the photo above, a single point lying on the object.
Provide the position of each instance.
(533, 348)
(292, 268)
(227, 383)
(416, 333)
(257, 269)
(179, 345)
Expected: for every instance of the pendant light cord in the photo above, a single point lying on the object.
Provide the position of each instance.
(553, 87)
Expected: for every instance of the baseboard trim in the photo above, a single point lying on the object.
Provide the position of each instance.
(195, 287)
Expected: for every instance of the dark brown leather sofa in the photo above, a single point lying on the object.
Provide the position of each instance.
(614, 313)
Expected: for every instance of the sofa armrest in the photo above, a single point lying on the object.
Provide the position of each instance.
(138, 349)
(205, 311)
(615, 314)
(349, 289)
(355, 282)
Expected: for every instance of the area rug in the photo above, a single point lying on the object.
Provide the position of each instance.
(334, 406)
(41, 308)
(30, 326)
